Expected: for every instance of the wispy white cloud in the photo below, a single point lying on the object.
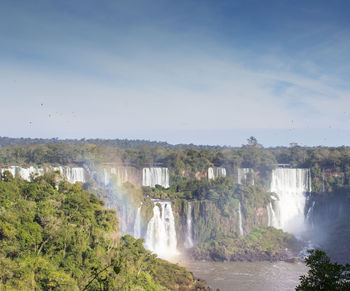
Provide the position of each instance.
(100, 80)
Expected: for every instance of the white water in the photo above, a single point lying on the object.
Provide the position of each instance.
(137, 224)
(241, 231)
(161, 233)
(123, 220)
(118, 175)
(272, 220)
(106, 177)
(189, 242)
(214, 173)
(11, 169)
(72, 175)
(244, 174)
(309, 214)
(290, 185)
(155, 176)
(26, 173)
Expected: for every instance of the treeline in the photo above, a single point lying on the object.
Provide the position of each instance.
(120, 143)
(63, 239)
(330, 166)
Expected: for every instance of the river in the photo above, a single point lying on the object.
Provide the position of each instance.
(246, 276)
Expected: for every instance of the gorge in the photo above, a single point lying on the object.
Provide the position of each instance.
(195, 204)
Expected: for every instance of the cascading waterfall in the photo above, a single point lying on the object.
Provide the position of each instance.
(272, 220)
(189, 242)
(214, 173)
(120, 174)
(26, 173)
(72, 175)
(161, 233)
(243, 174)
(290, 185)
(137, 224)
(323, 186)
(309, 214)
(123, 220)
(155, 176)
(241, 231)
(106, 177)
(11, 169)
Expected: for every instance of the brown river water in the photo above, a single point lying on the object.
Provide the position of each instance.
(248, 276)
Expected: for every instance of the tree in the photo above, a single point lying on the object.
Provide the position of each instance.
(324, 275)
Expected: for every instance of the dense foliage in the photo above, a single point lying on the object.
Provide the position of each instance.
(61, 238)
(188, 165)
(263, 243)
(324, 275)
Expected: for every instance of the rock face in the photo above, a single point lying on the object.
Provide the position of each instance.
(208, 221)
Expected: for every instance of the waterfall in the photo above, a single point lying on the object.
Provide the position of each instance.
(72, 175)
(272, 220)
(120, 175)
(309, 214)
(137, 224)
(11, 169)
(290, 185)
(323, 187)
(24, 173)
(161, 233)
(106, 177)
(155, 176)
(243, 174)
(123, 222)
(241, 231)
(214, 173)
(211, 173)
(189, 242)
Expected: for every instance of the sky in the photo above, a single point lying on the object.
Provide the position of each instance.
(185, 71)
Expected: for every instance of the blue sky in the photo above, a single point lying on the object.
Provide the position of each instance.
(205, 72)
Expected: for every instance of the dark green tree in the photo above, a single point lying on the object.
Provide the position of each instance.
(324, 275)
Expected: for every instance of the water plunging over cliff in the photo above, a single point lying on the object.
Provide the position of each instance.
(155, 176)
(272, 220)
(245, 176)
(161, 233)
(290, 185)
(72, 175)
(214, 173)
(241, 231)
(119, 175)
(309, 214)
(24, 173)
(189, 242)
(137, 224)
